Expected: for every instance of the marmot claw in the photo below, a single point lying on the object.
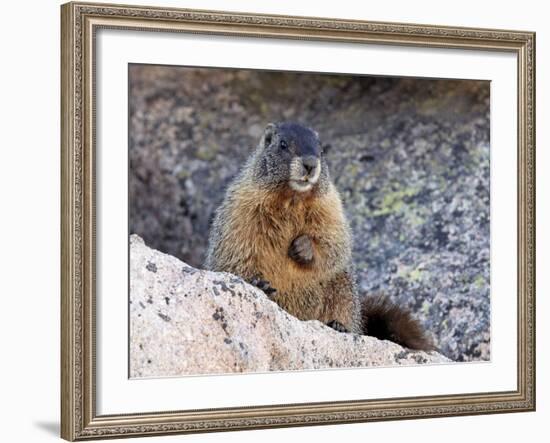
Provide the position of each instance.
(337, 326)
(264, 286)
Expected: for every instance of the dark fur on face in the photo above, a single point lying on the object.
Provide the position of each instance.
(290, 155)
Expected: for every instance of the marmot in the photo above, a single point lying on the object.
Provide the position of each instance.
(281, 226)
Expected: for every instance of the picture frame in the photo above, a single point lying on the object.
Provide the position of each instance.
(80, 23)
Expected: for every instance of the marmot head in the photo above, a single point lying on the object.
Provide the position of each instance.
(290, 154)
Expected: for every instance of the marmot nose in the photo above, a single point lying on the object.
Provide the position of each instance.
(309, 163)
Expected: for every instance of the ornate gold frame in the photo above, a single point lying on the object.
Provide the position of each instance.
(79, 21)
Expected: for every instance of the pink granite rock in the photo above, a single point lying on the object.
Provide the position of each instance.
(185, 321)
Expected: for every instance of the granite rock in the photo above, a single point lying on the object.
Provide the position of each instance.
(409, 156)
(186, 321)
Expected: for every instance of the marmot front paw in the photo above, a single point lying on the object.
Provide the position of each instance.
(301, 250)
(264, 286)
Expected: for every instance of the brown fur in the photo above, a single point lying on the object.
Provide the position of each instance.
(253, 233)
(385, 320)
(259, 227)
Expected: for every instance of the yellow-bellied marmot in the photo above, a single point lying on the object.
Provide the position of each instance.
(282, 227)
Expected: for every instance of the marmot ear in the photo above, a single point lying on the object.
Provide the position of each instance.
(268, 134)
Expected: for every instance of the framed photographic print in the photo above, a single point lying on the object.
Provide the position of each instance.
(282, 221)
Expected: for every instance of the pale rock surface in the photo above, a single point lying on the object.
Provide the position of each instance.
(186, 321)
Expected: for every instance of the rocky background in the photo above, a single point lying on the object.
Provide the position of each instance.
(409, 156)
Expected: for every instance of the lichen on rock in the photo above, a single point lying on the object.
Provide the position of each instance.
(409, 156)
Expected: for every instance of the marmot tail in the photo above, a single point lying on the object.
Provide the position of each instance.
(383, 319)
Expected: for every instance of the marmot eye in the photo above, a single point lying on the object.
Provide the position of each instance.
(283, 144)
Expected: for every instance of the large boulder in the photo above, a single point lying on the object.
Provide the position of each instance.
(187, 321)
